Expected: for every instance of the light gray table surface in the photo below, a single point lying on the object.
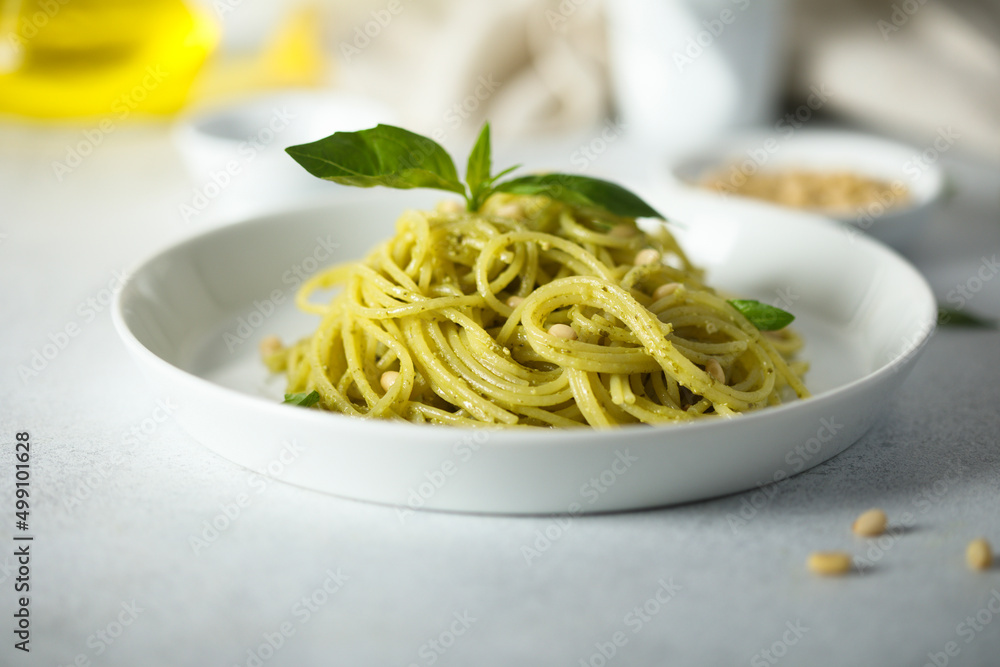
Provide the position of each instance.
(118, 491)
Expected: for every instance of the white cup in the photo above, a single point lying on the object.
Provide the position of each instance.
(686, 71)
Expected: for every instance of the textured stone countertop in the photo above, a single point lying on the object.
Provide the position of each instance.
(300, 578)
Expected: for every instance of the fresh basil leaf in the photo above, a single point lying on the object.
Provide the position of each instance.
(582, 191)
(948, 317)
(305, 398)
(397, 158)
(761, 315)
(383, 155)
(504, 173)
(477, 174)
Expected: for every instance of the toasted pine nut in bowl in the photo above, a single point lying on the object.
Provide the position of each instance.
(884, 188)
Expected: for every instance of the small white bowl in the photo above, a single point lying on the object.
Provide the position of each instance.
(193, 315)
(901, 166)
(236, 157)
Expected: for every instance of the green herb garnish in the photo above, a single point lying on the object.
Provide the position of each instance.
(305, 398)
(396, 158)
(761, 315)
(949, 317)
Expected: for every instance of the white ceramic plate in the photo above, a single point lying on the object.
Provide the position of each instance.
(192, 317)
(899, 165)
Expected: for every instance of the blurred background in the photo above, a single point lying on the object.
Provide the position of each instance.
(230, 81)
(127, 125)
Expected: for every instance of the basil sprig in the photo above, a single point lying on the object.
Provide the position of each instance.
(304, 398)
(949, 317)
(396, 158)
(761, 315)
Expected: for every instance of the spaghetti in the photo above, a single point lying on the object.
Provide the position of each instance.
(532, 312)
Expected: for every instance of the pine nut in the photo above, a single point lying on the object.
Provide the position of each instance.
(665, 290)
(269, 345)
(714, 368)
(388, 379)
(510, 210)
(646, 257)
(515, 301)
(978, 554)
(623, 231)
(870, 523)
(829, 562)
(562, 331)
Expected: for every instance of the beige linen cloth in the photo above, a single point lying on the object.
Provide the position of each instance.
(906, 68)
(530, 67)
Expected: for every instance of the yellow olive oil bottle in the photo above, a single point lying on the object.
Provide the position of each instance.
(100, 58)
